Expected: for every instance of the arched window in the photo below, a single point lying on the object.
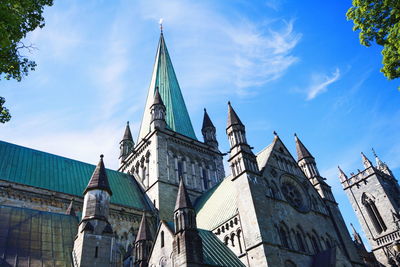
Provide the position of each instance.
(283, 235)
(162, 239)
(373, 213)
(239, 233)
(233, 239)
(300, 241)
(205, 179)
(274, 190)
(314, 244)
(226, 240)
(178, 245)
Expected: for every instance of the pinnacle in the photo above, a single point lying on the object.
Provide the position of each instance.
(182, 200)
(233, 118)
(99, 179)
(144, 230)
(302, 151)
(207, 121)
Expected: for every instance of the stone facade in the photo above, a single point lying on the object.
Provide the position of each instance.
(375, 197)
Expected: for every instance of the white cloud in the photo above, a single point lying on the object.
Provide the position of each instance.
(320, 83)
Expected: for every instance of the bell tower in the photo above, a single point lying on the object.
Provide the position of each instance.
(375, 196)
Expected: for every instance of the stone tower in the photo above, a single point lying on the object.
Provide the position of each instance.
(375, 196)
(167, 147)
(94, 242)
(308, 165)
(187, 244)
(143, 244)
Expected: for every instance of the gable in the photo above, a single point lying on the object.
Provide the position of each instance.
(35, 168)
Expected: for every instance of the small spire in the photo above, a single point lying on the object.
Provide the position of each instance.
(207, 121)
(342, 175)
(127, 134)
(182, 199)
(70, 210)
(302, 151)
(367, 163)
(233, 118)
(144, 230)
(275, 133)
(379, 163)
(99, 179)
(157, 97)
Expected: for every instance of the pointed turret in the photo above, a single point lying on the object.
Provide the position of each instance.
(70, 210)
(209, 132)
(99, 179)
(366, 162)
(176, 114)
(342, 175)
(302, 151)
(242, 157)
(182, 199)
(95, 232)
(157, 111)
(305, 160)
(126, 145)
(143, 243)
(356, 236)
(381, 165)
(187, 244)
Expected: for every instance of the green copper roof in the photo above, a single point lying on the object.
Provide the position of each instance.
(217, 205)
(39, 169)
(177, 116)
(36, 238)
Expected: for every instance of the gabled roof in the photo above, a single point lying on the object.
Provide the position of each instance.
(35, 168)
(99, 179)
(215, 253)
(217, 205)
(36, 238)
(177, 116)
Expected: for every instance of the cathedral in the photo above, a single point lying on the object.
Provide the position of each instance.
(170, 202)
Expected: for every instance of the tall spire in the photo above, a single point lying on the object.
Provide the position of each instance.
(177, 116)
(302, 151)
(99, 178)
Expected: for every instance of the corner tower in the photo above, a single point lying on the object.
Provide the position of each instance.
(375, 196)
(167, 147)
(93, 244)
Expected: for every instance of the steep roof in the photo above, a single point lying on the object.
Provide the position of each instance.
(99, 179)
(40, 169)
(182, 198)
(177, 116)
(36, 238)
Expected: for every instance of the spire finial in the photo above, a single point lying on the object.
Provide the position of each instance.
(127, 123)
(101, 156)
(275, 133)
(295, 134)
(161, 24)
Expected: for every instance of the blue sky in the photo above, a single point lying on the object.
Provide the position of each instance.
(285, 66)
